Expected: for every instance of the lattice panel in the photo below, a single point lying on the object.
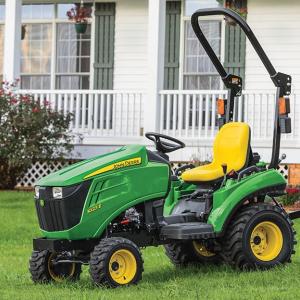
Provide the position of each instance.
(39, 170)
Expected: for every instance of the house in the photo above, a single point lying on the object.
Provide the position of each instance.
(139, 68)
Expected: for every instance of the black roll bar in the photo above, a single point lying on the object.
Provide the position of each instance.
(233, 82)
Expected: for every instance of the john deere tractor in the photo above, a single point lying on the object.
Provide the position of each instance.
(101, 211)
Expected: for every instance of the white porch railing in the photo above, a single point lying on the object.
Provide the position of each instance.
(188, 115)
(193, 115)
(98, 113)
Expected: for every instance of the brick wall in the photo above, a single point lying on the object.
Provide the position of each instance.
(294, 174)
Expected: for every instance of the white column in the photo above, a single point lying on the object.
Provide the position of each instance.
(156, 50)
(12, 39)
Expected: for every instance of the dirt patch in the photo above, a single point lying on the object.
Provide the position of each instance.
(293, 207)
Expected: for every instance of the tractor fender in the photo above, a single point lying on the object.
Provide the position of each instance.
(230, 198)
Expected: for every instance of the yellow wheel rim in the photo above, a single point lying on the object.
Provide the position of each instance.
(202, 250)
(122, 266)
(55, 274)
(266, 241)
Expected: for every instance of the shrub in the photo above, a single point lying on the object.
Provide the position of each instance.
(292, 195)
(30, 131)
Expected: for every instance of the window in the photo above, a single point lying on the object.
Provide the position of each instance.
(53, 56)
(198, 70)
(2, 17)
(36, 57)
(72, 57)
(193, 5)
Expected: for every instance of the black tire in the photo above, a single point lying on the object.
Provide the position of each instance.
(254, 220)
(184, 253)
(43, 272)
(126, 256)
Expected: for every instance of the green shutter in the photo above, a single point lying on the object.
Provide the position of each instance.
(172, 45)
(235, 50)
(235, 42)
(104, 46)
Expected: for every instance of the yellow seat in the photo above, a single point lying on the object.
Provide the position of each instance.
(231, 147)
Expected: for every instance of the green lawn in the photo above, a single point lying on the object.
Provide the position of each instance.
(160, 281)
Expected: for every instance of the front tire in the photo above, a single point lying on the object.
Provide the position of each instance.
(116, 262)
(43, 270)
(259, 236)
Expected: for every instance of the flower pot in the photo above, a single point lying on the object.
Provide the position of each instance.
(81, 27)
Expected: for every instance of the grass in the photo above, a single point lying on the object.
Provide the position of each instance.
(160, 280)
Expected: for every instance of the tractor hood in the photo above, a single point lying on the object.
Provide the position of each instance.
(123, 158)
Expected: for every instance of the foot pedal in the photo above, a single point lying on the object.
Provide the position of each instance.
(187, 231)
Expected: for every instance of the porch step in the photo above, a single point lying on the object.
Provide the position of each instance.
(187, 231)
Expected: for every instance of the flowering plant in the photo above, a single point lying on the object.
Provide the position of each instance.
(79, 14)
(30, 131)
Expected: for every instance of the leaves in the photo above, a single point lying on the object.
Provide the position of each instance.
(79, 14)
(30, 131)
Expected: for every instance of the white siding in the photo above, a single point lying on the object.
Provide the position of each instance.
(130, 69)
(276, 24)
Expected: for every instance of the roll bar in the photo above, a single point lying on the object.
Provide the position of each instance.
(233, 82)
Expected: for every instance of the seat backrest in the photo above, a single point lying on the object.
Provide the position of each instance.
(232, 146)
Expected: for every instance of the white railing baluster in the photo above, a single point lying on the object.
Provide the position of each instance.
(59, 103)
(83, 115)
(161, 114)
(101, 114)
(96, 110)
(168, 114)
(175, 119)
(187, 114)
(206, 115)
(77, 112)
(213, 115)
(90, 111)
(193, 114)
(180, 114)
(72, 108)
(200, 115)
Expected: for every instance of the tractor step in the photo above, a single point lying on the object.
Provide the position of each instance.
(187, 231)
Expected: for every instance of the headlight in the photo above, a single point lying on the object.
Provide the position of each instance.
(37, 192)
(57, 192)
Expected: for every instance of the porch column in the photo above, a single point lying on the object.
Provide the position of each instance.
(12, 40)
(156, 50)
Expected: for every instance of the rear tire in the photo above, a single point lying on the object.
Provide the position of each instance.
(259, 236)
(43, 271)
(183, 253)
(116, 262)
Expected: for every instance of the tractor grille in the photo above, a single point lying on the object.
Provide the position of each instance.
(61, 214)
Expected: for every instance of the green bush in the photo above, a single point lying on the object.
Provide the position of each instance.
(30, 131)
(292, 195)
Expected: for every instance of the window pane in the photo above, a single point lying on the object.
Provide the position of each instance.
(36, 49)
(38, 11)
(1, 47)
(2, 12)
(73, 82)
(199, 72)
(73, 56)
(29, 82)
(62, 10)
(192, 5)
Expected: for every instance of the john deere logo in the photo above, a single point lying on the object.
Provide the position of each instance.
(42, 202)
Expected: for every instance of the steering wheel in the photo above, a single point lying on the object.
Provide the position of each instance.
(164, 146)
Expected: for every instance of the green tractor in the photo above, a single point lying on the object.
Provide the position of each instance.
(101, 211)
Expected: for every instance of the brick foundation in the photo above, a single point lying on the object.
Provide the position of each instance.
(294, 174)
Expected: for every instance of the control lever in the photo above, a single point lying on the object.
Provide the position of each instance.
(224, 168)
(283, 157)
